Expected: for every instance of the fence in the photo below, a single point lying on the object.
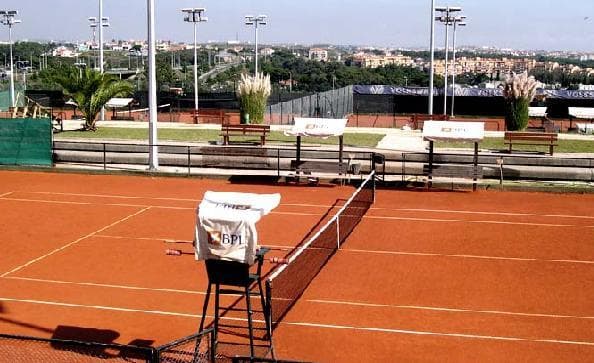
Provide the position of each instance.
(196, 348)
(187, 158)
(332, 104)
(26, 141)
(5, 97)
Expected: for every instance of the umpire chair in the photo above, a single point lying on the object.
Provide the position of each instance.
(237, 275)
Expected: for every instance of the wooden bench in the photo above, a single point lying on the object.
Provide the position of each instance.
(309, 166)
(453, 171)
(244, 130)
(531, 138)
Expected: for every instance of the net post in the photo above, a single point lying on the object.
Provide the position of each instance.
(268, 315)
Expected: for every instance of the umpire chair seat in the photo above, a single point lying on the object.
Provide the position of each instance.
(236, 274)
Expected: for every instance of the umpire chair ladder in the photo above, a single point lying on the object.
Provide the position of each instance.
(236, 274)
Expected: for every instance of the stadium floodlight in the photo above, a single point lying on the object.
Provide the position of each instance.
(7, 17)
(457, 21)
(255, 21)
(195, 16)
(446, 18)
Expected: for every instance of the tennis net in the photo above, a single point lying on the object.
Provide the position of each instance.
(287, 282)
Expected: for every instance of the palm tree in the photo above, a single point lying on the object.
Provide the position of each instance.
(91, 90)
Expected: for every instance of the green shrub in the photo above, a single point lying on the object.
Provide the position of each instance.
(519, 90)
(253, 93)
(516, 114)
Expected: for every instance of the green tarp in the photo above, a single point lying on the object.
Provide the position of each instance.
(26, 141)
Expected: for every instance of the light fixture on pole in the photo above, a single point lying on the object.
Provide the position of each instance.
(457, 21)
(152, 87)
(431, 57)
(255, 21)
(93, 23)
(446, 19)
(80, 65)
(195, 16)
(7, 18)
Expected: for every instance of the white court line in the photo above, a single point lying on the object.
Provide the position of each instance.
(317, 301)
(46, 201)
(140, 206)
(115, 196)
(455, 310)
(317, 214)
(5, 194)
(397, 253)
(303, 324)
(112, 286)
(458, 211)
(174, 240)
(453, 335)
(197, 201)
(469, 221)
(16, 269)
(327, 206)
(497, 258)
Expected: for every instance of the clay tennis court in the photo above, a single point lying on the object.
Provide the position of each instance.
(425, 276)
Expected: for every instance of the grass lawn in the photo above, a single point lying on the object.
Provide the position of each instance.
(493, 143)
(192, 135)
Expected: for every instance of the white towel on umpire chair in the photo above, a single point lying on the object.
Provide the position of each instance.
(226, 225)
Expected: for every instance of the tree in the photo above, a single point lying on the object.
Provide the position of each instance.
(91, 90)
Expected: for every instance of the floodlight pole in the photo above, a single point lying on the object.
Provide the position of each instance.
(100, 22)
(447, 20)
(152, 88)
(7, 18)
(432, 57)
(457, 22)
(445, 77)
(194, 15)
(101, 49)
(12, 98)
(255, 21)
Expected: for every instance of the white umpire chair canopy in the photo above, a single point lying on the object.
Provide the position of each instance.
(226, 225)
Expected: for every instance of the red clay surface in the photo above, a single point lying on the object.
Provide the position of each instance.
(426, 276)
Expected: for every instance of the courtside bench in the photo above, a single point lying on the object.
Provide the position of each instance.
(531, 138)
(309, 166)
(474, 172)
(244, 130)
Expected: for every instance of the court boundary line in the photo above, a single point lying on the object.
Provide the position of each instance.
(311, 325)
(454, 310)
(29, 263)
(323, 206)
(140, 206)
(453, 335)
(317, 301)
(318, 214)
(5, 194)
(197, 201)
(465, 256)
(381, 252)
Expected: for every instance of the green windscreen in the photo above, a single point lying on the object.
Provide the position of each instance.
(26, 141)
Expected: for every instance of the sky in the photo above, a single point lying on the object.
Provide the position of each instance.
(517, 24)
